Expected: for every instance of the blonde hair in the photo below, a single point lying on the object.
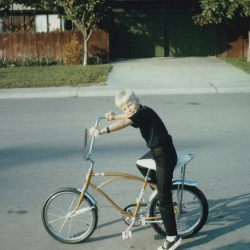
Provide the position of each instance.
(125, 96)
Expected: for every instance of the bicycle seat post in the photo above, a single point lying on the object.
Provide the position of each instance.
(183, 172)
(182, 176)
(147, 175)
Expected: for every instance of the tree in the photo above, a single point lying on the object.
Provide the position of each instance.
(85, 15)
(223, 11)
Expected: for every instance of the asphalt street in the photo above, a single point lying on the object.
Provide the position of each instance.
(41, 151)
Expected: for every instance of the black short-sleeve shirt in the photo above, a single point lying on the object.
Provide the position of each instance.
(151, 127)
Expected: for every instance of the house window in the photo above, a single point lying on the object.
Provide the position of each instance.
(1, 25)
(48, 23)
(55, 23)
(41, 23)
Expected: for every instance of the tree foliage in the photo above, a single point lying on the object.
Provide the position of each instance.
(224, 11)
(84, 14)
(215, 12)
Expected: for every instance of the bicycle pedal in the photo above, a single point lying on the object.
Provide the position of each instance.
(143, 222)
(126, 235)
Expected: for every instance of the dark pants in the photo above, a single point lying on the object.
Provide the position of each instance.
(166, 160)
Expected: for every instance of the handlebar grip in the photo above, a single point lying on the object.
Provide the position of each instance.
(88, 155)
(101, 117)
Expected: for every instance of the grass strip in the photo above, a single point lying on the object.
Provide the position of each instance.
(53, 76)
(239, 62)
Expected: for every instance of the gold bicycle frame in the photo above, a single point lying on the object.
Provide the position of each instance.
(117, 177)
(120, 176)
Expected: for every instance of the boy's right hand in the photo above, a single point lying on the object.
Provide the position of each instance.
(110, 116)
(94, 132)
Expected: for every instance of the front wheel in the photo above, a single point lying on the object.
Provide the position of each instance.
(190, 216)
(64, 226)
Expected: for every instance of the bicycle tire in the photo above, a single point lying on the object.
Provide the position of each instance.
(194, 215)
(64, 228)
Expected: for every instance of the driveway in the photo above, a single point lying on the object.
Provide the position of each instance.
(178, 75)
(190, 75)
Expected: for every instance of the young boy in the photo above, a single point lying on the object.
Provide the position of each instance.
(162, 149)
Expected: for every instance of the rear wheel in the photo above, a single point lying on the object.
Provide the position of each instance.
(64, 226)
(192, 215)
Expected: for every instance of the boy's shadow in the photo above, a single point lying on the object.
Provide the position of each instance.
(225, 217)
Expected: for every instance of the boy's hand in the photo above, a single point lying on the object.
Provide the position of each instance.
(94, 132)
(110, 116)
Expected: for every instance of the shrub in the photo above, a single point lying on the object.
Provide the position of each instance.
(98, 55)
(72, 51)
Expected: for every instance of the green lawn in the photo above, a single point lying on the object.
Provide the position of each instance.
(239, 62)
(53, 76)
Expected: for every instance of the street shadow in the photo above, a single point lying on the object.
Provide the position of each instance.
(225, 217)
(34, 154)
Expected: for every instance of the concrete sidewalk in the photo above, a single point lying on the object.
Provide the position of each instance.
(155, 76)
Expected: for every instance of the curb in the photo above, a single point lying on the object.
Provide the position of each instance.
(64, 92)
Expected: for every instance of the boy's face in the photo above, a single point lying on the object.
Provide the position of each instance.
(130, 108)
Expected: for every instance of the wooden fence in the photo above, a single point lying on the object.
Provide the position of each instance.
(237, 48)
(30, 45)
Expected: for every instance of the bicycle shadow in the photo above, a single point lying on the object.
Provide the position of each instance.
(225, 217)
(238, 245)
(104, 237)
(109, 236)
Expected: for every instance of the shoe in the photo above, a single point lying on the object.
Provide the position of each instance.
(170, 245)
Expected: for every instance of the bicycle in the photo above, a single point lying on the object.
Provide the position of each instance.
(70, 215)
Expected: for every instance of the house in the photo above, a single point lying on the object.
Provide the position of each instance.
(147, 28)
(22, 18)
(156, 28)
(26, 33)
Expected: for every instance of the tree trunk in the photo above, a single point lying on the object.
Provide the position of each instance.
(86, 36)
(248, 53)
(85, 51)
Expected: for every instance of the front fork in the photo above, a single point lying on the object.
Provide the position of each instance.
(84, 189)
